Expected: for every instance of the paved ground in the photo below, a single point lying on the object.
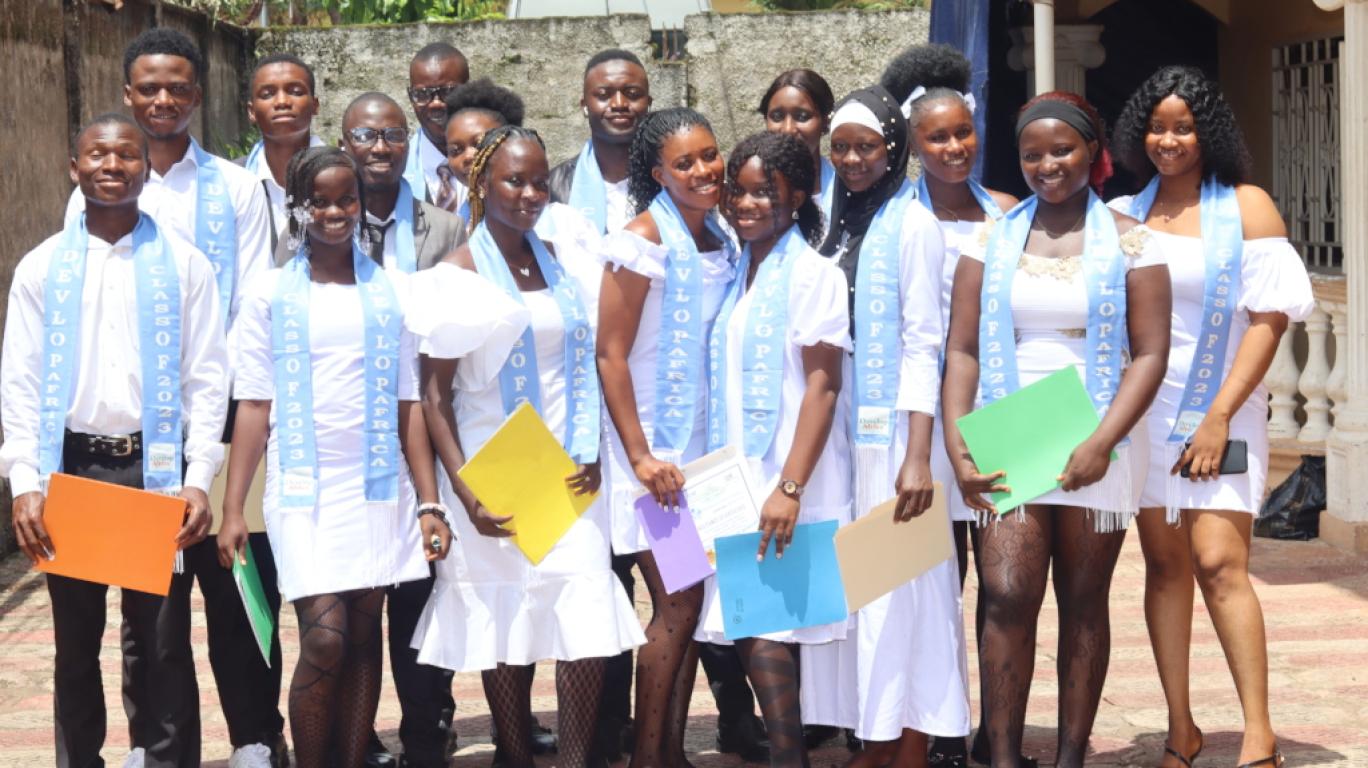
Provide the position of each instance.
(1315, 598)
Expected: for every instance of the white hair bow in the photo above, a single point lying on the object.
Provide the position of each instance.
(969, 102)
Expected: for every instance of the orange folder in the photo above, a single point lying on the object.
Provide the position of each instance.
(111, 534)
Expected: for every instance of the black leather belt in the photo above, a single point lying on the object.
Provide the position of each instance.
(117, 446)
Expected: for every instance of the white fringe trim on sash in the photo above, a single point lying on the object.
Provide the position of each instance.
(1116, 486)
(1173, 485)
(871, 477)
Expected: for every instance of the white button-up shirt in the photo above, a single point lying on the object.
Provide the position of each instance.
(275, 194)
(107, 393)
(172, 201)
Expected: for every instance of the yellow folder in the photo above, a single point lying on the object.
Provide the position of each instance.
(520, 473)
(878, 555)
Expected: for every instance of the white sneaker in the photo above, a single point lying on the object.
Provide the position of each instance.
(250, 756)
(134, 759)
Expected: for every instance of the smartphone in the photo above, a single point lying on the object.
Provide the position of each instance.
(1234, 460)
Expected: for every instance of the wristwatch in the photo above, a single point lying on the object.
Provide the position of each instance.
(791, 489)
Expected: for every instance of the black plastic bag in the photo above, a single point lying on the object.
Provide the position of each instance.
(1292, 510)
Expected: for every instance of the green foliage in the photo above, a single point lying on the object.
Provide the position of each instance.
(399, 11)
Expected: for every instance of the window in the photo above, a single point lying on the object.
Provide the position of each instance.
(1306, 148)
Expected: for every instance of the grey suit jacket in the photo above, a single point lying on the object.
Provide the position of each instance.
(435, 234)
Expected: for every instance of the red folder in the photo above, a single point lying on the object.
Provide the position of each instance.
(111, 534)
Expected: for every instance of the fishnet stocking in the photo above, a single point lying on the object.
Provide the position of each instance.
(359, 690)
(579, 684)
(773, 671)
(508, 689)
(661, 663)
(322, 649)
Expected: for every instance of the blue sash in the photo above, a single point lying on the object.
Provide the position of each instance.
(257, 155)
(985, 200)
(679, 356)
(586, 189)
(1223, 247)
(519, 379)
(159, 348)
(215, 225)
(294, 382)
(762, 347)
(405, 248)
(1104, 270)
(878, 322)
(413, 168)
(828, 176)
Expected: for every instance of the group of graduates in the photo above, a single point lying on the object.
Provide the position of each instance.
(365, 312)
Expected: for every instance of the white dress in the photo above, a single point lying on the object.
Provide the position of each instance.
(1272, 279)
(906, 665)
(625, 250)
(960, 236)
(816, 315)
(490, 604)
(1050, 315)
(341, 545)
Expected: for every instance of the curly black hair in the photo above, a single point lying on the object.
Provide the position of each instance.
(1224, 153)
(789, 157)
(286, 58)
(644, 154)
(304, 167)
(941, 69)
(162, 41)
(482, 95)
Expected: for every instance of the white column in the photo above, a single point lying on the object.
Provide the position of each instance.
(1339, 326)
(1281, 381)
(1076, 50)
(1044, 57)
(1345, 523)
(1315, 378)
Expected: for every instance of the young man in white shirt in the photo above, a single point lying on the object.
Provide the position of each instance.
(282, 104)
(435, 71)
(95, 427)
(222, 210)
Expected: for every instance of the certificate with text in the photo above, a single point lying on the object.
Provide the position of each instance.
(721, 495)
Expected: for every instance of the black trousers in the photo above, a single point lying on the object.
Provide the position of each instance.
(615, 703)
(161, 697)
(248, 689)
(425, 700)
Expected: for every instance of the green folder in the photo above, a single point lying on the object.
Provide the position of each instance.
(248, 582)
(1030, 434)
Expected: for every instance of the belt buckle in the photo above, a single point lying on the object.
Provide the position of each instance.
(123, 446)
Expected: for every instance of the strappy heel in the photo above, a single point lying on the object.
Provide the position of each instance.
(1275, 760)
(1190, 759)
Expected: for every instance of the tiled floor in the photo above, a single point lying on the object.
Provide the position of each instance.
(1315, 600)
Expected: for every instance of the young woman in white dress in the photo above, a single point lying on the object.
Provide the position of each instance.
(799, 103)
(932, 84)
(908, 678)
(1068, 266)
(1178, 132)
(793, 435)
(492, 610)
(326, 375)
(664, 280)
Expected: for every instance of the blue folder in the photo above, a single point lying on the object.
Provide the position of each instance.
(802, 589)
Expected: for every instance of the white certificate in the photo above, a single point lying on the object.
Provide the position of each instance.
(720, 495)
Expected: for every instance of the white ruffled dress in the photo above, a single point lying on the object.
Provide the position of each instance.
(816, 315)
(626, 250)
(1272, 279)
(490, 604)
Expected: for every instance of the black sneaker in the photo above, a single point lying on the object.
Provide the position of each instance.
(378, 755)
(947, 752)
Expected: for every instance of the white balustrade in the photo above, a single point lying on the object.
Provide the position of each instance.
(1314, 378)
(1304, 398)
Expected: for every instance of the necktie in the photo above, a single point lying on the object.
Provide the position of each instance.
(376, 236)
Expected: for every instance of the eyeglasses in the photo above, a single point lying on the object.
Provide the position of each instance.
(364, 137)
(427, 94)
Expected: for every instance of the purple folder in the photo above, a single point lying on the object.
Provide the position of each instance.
(674, 541)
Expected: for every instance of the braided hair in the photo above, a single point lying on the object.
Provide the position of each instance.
(484, 155)
(941, 69)
(502, 105)
(644, 154)
(789, 157)
(304, 167)
(1224, 154)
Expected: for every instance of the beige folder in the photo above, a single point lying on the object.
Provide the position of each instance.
(878, 555)
(251, 509)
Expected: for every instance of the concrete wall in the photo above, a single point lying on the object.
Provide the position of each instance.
(64, 65)
(731, 61)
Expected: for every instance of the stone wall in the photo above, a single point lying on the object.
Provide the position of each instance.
(731, 61)
(63, 66)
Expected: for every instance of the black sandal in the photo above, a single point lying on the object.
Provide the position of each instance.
(1188, 761)
(1276, 760)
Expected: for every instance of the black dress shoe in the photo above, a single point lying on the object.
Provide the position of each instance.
(853, 742)
(947, 752)
(745, 739)
(543, 740)
(280, 752)
(445, 719)
(815, 736)
(608, 740)
(982, 754)
(378, 755)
